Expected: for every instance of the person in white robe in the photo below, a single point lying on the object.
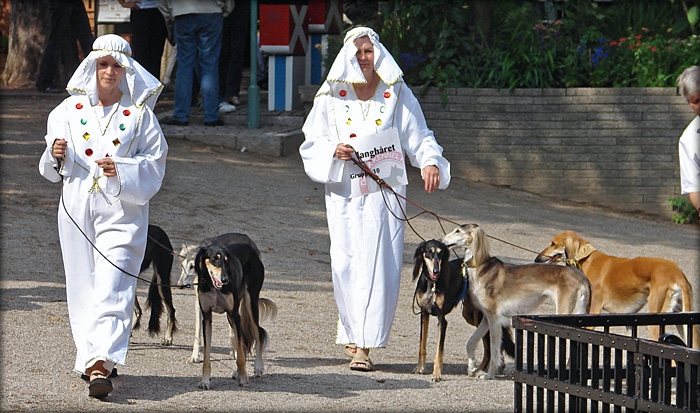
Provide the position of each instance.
(365, 111)
(689, 142)
(105, 145)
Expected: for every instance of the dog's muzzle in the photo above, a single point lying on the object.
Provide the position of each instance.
(217, 281)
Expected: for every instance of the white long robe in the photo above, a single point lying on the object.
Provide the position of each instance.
(111, 212)
(366, 237)
(689, 156)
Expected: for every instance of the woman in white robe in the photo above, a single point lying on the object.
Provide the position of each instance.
(105, 145)
(365, 110)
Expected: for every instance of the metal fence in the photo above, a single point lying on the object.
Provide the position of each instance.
(561, 365)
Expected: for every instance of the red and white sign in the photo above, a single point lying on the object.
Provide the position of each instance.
(325, 16)
(284, 29)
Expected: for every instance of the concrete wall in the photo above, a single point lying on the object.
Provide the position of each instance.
(616, 148)
(612, 147)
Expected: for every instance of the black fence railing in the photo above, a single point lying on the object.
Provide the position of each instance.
(561, 365)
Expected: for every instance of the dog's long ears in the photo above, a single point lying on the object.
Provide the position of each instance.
(199, 262)
(418, 260)
(480, 245)
(571, 246)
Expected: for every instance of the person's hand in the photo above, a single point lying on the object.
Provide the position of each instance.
(431, 178)
(133, 5)
(344, 152)
(58, 149)
(109, 169)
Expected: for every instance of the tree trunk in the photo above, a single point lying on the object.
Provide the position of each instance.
(480, 16)
(29, 28)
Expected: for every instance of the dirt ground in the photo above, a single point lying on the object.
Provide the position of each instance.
(210, 190)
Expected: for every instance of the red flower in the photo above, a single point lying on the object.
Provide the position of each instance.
(387, 95)
(343, 93)
(79, 106)
(653, 49)
(613, 43)
(638, 37)
(126, 112)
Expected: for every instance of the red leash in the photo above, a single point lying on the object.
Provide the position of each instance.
(382, 184)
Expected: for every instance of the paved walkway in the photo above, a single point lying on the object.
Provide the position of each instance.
(210, 189)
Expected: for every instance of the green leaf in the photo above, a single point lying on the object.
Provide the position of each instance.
(693, 15)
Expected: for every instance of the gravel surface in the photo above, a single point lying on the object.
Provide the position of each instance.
(209, 190)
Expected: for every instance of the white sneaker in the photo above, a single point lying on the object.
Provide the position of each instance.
(226, 107)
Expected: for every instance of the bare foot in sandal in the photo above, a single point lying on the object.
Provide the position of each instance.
(350, 350)
(361, 361)
(100, 385)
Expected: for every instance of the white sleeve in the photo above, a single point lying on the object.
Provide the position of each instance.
(689, 157)
(318, 149)
(56, 128)
(418, 141)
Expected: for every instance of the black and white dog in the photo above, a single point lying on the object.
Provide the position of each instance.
(159, 255)
(230, 275)
(440, 287)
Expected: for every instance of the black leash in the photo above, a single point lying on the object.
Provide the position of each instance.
(382, 184)
(65, 209)
(363, 166)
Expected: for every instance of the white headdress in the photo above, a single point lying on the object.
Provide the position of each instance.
(137, 82)
(346, 68)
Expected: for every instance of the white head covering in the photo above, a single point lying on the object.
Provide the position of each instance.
(346, 68)
(137, 82)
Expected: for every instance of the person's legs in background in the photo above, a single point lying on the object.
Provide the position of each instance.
(80, 23)
(60, 22)
(208, 50)
(235, 39)
(186, 40)
(148, 38)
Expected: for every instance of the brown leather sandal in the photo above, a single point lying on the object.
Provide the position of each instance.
(100, 386)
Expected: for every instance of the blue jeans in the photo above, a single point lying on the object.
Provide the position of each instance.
(198, 39)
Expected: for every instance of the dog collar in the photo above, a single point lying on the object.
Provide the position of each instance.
(582, 253)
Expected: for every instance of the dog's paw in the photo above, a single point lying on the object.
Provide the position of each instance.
(436, 379)
(471, 368)
(167, 341)
(242, 378)
(419, 369)
(204, 385)
(194, 360)
(480, 374)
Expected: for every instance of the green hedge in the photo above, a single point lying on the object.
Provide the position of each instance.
(577, 43)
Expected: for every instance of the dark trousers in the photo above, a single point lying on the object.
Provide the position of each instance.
(235, 36)
(69, 21)
(148, 34)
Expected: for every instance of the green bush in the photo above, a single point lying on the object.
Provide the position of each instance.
(626, 43)
(684, 209)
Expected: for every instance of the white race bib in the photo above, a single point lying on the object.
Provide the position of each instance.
(382, 154)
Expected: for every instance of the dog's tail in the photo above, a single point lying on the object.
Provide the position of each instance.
(250, 321)
(268, 309)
